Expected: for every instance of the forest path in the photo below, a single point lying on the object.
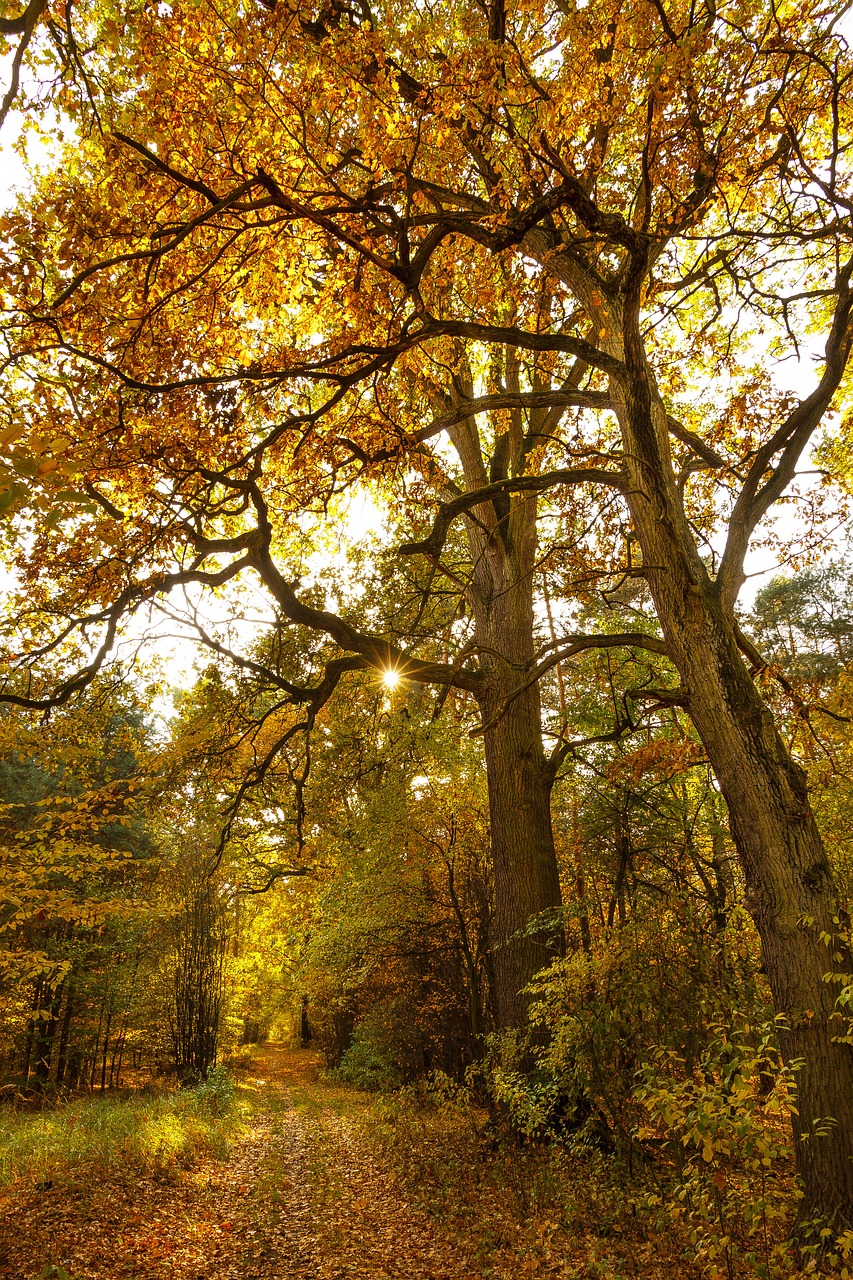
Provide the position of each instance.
(303, 1195)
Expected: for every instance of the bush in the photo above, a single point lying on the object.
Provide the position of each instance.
(725, 1133)
(368, 1066)
(215, 1093)
(650, 984)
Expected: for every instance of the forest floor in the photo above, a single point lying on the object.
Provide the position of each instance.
(321, 1184)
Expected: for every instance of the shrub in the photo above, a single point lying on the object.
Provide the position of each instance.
(368, 1065)
(215, 1093)
(731, 1172)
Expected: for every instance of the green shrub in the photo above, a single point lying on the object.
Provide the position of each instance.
(527, 1092)
(368, 1065)
(215, 1093)
(731, 1168)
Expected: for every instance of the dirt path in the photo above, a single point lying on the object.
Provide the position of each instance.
(302, 1196)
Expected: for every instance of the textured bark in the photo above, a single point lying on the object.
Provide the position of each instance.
(790, 895)
(790, 892)
(526, 880)
(502, 538)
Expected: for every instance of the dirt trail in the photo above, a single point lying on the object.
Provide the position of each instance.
(302, 1196)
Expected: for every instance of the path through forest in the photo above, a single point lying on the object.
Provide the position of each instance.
(303, 1196)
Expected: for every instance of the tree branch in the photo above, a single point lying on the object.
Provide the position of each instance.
(573, 645)
(789, 440)
(448, 511)
(524, 341)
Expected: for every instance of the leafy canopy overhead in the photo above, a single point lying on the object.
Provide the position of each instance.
(291, 249)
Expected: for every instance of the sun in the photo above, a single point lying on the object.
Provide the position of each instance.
(391, 678)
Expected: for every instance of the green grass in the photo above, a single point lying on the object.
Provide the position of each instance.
(153, 1135)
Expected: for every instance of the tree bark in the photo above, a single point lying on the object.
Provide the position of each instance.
(790, 894)
(790, 891)
(502, 540)
(524, 861)
(45, 1035)
(64, 1034)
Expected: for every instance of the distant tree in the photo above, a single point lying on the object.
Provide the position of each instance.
(77, 862)
(199, 936)
(805, 622)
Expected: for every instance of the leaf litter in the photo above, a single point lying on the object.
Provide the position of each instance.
(308, 1192)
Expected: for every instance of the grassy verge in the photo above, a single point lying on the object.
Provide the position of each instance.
(149, 1134)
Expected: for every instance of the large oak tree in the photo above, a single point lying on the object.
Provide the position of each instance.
(488, 256)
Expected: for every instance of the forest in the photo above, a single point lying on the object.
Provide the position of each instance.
(426, 649)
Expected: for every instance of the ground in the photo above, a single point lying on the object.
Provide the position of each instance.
(313, 1189)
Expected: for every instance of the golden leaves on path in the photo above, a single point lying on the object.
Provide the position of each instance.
(311, 1192)
(264, 1214)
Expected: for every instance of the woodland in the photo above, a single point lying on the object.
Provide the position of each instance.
(427, 633)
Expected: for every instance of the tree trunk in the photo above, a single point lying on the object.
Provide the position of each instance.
(790, 892)
(469, 960)
(64, 1034)
(524, 861)
(790, 895)
(106, 1049)
(519, 774)
(94, 1065)
(45, 1035)
(35, 1005)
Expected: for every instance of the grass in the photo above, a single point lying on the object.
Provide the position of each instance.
(151, 1134)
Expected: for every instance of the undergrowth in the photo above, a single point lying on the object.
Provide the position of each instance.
(525, 1206)
(714, 1200)
(150, 1134)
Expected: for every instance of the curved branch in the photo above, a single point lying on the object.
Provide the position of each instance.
(376, 652)
(24, 26)
(514, 400)
(695, 442)
(788, 441)
(575, 644)
(509, 336)
(151, 156)
(448, 511)
(126, 603)
(152, 254)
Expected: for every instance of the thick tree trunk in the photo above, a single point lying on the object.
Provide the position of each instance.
(790, 892)
(790, 895)
(502, 537)
(527, 930)
(526, 878)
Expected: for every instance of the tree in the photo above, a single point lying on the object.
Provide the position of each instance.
(805, 623)
(199, 941)
(470, 256)
(76, 863)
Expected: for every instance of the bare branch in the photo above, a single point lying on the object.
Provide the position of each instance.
(756, 498)
(571, 646)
